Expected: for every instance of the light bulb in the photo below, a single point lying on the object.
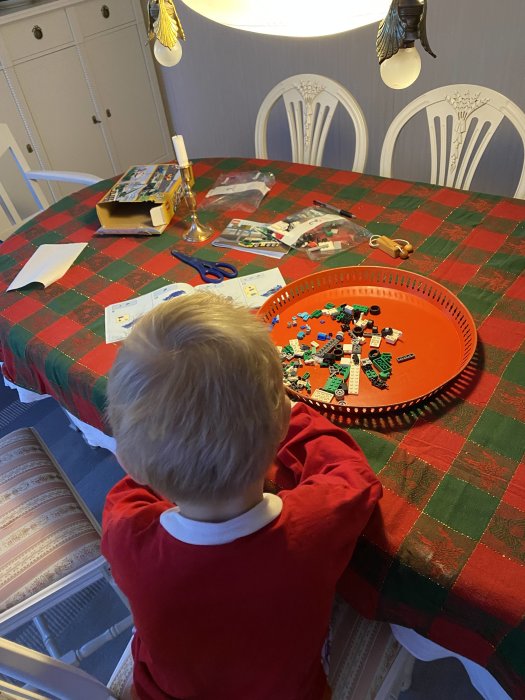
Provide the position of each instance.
(402, 69)
(165, 56)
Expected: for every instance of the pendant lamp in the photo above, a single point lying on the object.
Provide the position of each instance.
(294, 18)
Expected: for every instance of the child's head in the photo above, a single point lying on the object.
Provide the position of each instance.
(196, 400)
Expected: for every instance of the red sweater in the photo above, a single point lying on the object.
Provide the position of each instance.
(244, 620)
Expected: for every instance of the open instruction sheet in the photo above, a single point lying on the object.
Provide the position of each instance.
(251, 291)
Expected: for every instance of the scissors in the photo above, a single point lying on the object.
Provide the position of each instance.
(209, 272)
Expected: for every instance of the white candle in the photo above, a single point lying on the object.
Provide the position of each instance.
(180, 150)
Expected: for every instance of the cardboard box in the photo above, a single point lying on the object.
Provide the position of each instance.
(142, 202)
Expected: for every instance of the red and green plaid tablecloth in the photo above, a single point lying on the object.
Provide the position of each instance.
(444, 553)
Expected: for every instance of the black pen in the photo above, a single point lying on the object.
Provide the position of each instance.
(330, 207)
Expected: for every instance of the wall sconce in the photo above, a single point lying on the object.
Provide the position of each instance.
(295, 18)
(166, 29)
(399, 59)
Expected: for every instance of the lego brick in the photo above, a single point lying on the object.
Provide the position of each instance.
(321, 395)
(405, 358)
(353, 380)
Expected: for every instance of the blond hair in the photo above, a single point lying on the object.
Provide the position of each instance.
(196, 400)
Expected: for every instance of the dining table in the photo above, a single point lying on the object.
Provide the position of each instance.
(444, 551)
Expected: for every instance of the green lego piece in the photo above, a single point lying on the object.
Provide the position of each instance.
(307, 354)
(362, 309)
(329, 305)
(306, 375)
(316, 313)
(344, 371)
(332, 384)
(384, 364)
(287, 349)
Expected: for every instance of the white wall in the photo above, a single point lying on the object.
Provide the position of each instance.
(213, 95)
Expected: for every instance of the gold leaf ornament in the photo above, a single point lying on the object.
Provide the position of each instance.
(167, 26)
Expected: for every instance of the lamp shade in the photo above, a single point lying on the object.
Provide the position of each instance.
(296, 18)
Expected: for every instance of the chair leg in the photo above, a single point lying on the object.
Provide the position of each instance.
(46, 635)
(398, 678)
(75, 656)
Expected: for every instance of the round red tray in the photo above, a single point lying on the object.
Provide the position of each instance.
(436, 326)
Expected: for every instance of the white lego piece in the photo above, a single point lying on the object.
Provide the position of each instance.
(353, 379)
(279, 348)
(333, 312)
(375, 341)
(347, 348)
(295, 344)
(393, 337)
(345, 361)
(322, 395)
(329, 245)
(314, 344)
(348, 309)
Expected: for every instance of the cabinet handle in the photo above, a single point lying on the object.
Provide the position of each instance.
(29, 148)
(108, 112)
(37, 32)
(105, 11)
(95, 120)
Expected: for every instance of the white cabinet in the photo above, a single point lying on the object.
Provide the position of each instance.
(130, 115)
(63, 110)
(78, 86)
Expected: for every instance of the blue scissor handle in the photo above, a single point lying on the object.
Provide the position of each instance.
(209, 272)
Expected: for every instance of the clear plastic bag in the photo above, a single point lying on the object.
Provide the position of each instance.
(319, 234)
(243, 191)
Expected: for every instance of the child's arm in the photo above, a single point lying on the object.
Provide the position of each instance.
(314, 446)
(335, 490)
(128, 498)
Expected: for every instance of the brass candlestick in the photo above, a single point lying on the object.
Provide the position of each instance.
(196, 232)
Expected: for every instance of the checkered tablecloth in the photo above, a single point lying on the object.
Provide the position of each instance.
(444, 553)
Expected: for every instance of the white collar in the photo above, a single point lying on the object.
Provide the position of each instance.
(197, 532)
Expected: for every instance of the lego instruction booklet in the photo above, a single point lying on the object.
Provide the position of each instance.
(251, 290)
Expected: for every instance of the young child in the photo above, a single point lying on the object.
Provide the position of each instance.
(231, 588)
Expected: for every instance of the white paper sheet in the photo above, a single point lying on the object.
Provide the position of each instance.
(48, 264)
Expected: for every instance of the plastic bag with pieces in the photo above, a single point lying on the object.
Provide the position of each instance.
(243, 191)
(319, 234)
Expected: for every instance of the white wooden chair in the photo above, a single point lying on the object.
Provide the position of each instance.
(43, 674)
(461, 120)
(12, 200)
(310, 102)
(49, 542)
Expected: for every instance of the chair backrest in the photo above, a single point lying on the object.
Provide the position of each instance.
(19, 197)
(45, 675)
(461, 121)
(310, 102)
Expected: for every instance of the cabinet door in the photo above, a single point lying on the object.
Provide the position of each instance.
(127, 105)
(9, 174)
(61, 105)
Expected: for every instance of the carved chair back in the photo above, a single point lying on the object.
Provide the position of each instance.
(462, 120)
(310, 102)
